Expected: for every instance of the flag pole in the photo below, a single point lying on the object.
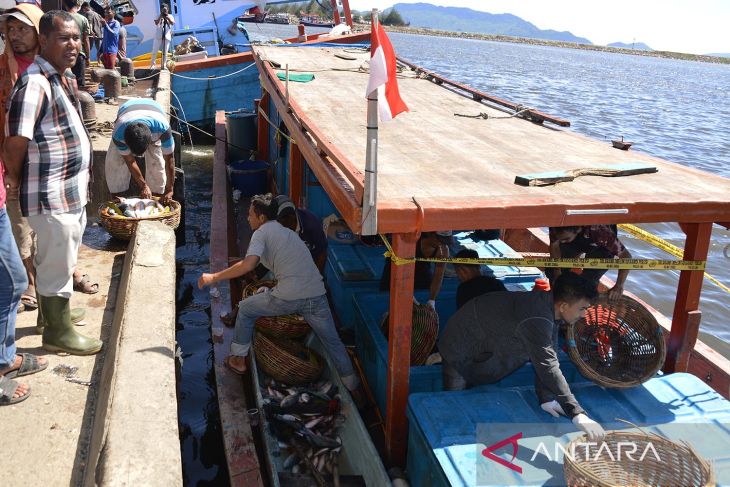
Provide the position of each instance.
(370, 192)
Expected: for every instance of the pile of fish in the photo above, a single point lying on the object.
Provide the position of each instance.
(306, 421)
(135, 208)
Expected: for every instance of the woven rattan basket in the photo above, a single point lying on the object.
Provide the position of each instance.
(424, 333)
(123, 228)
(286, 360)
(287, 326)
(656, 461)
(617, 344)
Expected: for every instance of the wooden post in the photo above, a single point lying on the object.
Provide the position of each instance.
(348, 13)
(399, 349)
(335, 12)
(686, 317)
(296, 174)
(263, 128)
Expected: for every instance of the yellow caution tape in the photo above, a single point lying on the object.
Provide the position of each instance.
(631, 264)
(666, 247)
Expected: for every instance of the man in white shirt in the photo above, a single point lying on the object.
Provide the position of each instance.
(163, 36)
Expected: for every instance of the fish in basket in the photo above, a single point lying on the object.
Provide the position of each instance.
(120, 217)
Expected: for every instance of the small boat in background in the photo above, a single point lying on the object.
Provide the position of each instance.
(280, 18)
(315, 21)
(620, 144)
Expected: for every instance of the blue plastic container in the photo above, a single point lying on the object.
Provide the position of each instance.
(249, 177)
(444, 450)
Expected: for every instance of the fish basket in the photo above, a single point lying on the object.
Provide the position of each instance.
(123, 227)
(287, 361)
(286, 326)
(617, 344)
(655, 461)
(424, 332)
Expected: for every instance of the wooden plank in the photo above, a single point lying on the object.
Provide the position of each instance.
(243, 466)
(555, 177)
(399, 350)
(686, 316)
(262, 146)
(296, 174)
(462, 170)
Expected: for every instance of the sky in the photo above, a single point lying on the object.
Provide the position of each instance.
(690, 26)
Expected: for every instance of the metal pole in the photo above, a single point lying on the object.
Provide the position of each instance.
(370, 193)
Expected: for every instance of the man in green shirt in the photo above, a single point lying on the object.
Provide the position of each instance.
(72, 7)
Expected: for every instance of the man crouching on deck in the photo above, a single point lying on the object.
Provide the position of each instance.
(299, 288)
(493, 335)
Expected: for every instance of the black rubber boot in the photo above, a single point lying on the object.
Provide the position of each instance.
(59, 334)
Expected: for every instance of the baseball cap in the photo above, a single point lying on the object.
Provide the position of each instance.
(283, 203)
(16, 14)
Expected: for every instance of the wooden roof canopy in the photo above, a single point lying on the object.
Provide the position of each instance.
(461, 170)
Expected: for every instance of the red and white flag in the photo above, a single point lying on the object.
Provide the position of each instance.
(383, 74)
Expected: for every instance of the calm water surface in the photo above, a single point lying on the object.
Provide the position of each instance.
(676, 110)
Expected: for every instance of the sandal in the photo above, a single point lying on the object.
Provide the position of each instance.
(7, 390)
(228, 365)
(30, 302)
(29, 365)
(85, 285)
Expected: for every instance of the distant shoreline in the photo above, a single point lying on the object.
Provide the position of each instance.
(568, 45)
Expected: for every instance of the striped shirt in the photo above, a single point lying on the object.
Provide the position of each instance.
(151, 114)
(56, 168)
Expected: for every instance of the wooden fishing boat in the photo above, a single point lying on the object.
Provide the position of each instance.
(432, 431)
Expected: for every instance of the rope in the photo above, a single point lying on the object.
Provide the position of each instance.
(635, 264)
(486, 116)
(276, 127)
(667, 247)
(186, 119)
(214, 77)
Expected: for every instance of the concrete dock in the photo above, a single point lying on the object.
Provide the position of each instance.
(110, 418)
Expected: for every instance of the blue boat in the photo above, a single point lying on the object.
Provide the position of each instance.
(438, 173)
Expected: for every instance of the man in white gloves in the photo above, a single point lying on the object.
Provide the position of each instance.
(493, 335)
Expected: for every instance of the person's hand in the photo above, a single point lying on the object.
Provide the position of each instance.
(553, 408)
(145, 192)
(166, 198)
(205, 280)
(615, 293)
(432, 304)
(12, 188)
(593, 430)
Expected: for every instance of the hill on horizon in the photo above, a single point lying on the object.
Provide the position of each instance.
(639, 46)
(461, 19)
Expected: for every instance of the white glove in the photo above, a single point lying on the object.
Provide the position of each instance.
(432, 304)
(593, 430)
(262, 289)
(553, 408)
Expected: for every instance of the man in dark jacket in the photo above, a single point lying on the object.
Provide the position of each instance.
(493, 335)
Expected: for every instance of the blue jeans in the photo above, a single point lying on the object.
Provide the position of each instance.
(13, 281)
(316, 312)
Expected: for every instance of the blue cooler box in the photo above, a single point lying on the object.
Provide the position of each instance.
(447, 429)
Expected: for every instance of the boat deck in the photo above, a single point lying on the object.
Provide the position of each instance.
(450, 163)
